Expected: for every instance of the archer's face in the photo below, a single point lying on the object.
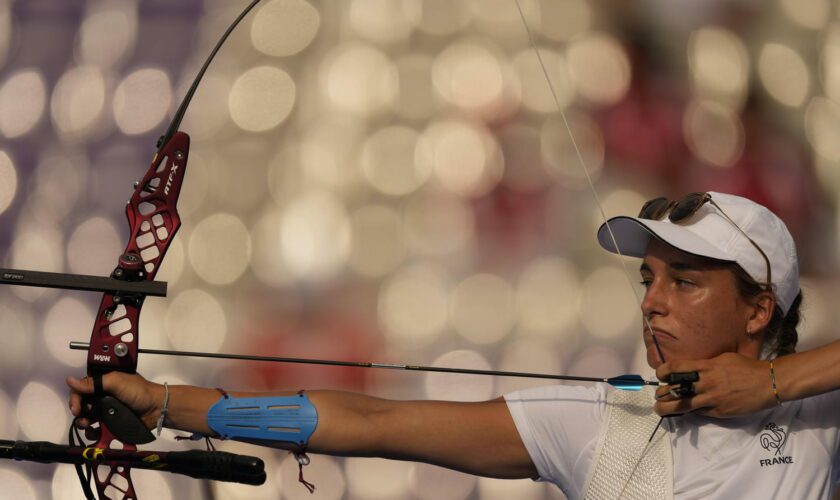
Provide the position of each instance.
(694, 308)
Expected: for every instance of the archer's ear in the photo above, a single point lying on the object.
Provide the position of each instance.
(762, 307)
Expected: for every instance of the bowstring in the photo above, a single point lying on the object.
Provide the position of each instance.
(588, 176)
(590, 182)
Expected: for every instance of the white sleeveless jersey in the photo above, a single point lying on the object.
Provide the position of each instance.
(791, 451)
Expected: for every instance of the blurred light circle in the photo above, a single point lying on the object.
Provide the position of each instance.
(536, 92)
(430, 482)
(456, 386)
(482, 308)
(533, 355)
(378, 246)
(220, 249)
(59, 182)
(606, 306)
(78, 102)
(784, 74)
(438, 17)
(194, 192)
(830, 62)
(284, 27)
(360, 79)
(173, 265)
(719, 64)
(38, 248)
(67, 320)
(413, 305)
(811, 14)
(417, 98)
(558, 149)
(713, 132)
(822, 127)
(18, 353)
(380, 21)
(23, 98)
(546, 296)
(619, 201)
(17, 485)
(596, 361)
(195, 321)
(261, 98)
(267, 263)
(818, 330)
(469, 75)
(237, 172)
(561, 20)
(107, 33)
(92, 245)
(377, 478)
(316, 236)
(41, 412)
(142, 100)
(8, 181)
(8, 421)
(465, 158)
(600, 67)
(208, 111)
(388, 161)
(327, 157)
(438, 225)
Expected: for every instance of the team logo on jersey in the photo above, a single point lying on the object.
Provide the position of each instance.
(773, 439)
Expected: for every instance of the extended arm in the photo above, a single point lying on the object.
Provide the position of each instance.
(477, 438)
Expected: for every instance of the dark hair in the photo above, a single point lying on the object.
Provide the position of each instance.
(780, 335)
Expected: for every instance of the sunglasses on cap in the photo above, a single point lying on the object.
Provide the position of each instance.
(680, 210)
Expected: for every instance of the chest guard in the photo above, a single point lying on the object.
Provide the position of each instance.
(625, 466)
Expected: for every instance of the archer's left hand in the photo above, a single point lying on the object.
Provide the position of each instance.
(730, 385)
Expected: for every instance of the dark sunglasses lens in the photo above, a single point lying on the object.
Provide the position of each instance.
(654, 209)
(686, 207)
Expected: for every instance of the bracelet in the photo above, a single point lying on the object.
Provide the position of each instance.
(773, 381)
(165, 409)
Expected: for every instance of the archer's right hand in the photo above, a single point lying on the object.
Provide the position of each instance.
(142, 396)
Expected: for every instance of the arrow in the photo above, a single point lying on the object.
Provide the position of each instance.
(624, 382)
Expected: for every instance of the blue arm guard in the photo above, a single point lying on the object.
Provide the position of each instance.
(290, 419)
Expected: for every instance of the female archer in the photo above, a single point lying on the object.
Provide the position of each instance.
(722, 298)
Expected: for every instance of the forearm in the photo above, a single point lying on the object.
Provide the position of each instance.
(808, 373)
(478, 438)
(346, 423)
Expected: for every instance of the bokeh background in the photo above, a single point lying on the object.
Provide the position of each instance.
(389, 180)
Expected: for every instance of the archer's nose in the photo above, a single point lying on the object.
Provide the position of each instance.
(655, 300)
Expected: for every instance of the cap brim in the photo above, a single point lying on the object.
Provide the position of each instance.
(633, 235)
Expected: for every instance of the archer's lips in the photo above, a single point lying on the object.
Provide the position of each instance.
(661, 335)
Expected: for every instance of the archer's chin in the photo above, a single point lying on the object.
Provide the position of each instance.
(653, 359)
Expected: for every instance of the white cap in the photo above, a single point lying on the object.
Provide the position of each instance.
(707, 233)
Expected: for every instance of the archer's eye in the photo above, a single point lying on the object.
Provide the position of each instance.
(646, 283)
